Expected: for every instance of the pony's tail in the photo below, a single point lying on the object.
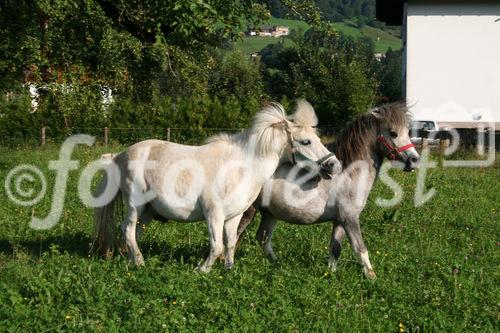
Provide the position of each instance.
(106, 219)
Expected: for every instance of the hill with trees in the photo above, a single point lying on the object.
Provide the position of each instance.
(382, 39)
(362, 12)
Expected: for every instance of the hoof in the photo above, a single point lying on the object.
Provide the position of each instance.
(202, 269)
(137, 260)
(272, 257)
(332, 266)
(370, 274)
(229, 265)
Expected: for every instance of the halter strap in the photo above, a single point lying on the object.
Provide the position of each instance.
(296, 153)
(292, 144)
(393, 150)
(324, 158)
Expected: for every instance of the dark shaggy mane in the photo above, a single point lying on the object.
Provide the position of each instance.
(355, 141)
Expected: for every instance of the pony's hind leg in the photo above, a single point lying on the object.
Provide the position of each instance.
(129, 232)
(265, 234)
(144, 219)
(231, 234)
(246, 219)
(338, 234)
(215, 223)
(353, 232)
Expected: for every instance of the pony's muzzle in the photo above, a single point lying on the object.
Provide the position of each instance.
(411, 163)
(330, 167)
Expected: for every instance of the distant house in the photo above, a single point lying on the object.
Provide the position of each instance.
(379, 56)
(269, 31)
(265, 31)
(281, 30)
(451, 66)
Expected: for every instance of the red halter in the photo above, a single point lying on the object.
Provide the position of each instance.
(393, 150)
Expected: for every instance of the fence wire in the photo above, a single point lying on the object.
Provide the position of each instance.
(195, 136)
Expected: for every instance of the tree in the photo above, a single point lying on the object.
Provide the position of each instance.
(123, 44)
(236, 75)
(337, 74)
(391, 76)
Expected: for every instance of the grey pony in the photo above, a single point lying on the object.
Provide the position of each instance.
(361, 148)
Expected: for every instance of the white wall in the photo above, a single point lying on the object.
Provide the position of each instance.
(453, 61)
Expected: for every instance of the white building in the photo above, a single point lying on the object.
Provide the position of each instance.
(269, 31)
(451, 58)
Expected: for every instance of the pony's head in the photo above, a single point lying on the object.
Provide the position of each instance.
(392, 136)
(294, 138)
(382, 131)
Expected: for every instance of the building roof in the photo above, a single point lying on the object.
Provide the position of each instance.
(390, 11)
(266, 27)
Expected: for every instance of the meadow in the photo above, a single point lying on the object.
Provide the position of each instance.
(382, 39)
(438, 267)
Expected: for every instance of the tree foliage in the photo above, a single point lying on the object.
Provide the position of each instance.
(236, 76)
(337, 74)
(169, 65)
(124, 44)
(391, 76)
(362, 12)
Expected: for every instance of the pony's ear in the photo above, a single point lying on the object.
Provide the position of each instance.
(376, 113)
(304, 114)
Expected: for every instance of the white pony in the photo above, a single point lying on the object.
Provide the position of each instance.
(215, 182)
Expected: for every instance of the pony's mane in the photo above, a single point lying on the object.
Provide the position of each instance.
(304, 115)
(267, 127)
(222, 137)
(359, 136)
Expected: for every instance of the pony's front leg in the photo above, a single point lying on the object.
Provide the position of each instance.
(215, 223)
(129, 231)
(231, 233)
(265, 234)
(338, 234)
(353, 231)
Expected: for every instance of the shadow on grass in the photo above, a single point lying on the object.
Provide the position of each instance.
(167, 251)
(79, 245)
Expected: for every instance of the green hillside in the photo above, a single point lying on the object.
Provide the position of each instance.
(383, 40)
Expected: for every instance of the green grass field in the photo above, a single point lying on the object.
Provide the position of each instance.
(437, 266)
(383, 40)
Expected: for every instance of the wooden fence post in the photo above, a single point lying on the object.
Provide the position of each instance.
(106, 135)
(444, 143)
(43, 135)
(168, 133)
(481, 133)
(425, 143)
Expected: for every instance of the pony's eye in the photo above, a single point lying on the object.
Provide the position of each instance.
(393, 134)
(305, 142)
